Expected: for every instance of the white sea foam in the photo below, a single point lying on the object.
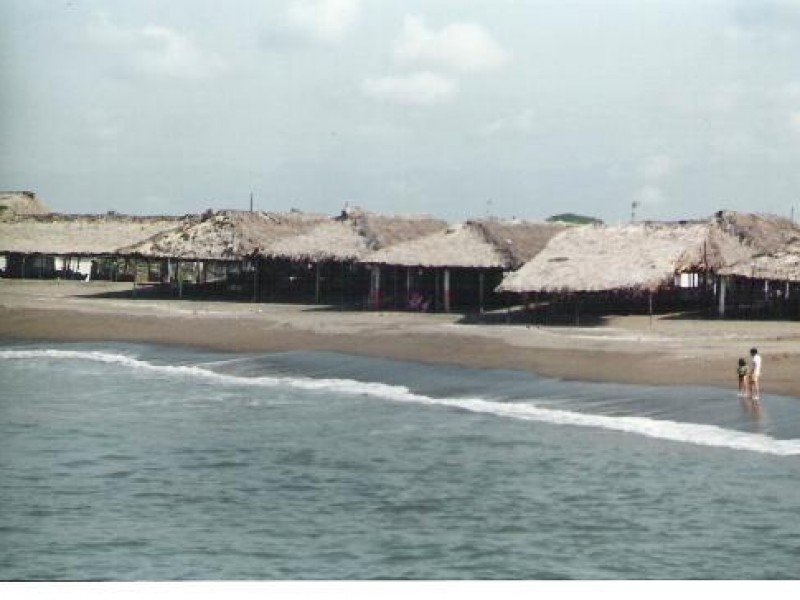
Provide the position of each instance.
(692, 433)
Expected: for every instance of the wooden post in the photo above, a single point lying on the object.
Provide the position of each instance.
(436, 288)
(180, 279)
(375, 287)
(446, 290)
(480, 291)
(317, 283)
(409, 280)
(256, 280)
(394, 284)
(650, 306)
(722, 287)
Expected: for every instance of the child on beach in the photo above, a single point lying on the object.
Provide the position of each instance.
(741, 371)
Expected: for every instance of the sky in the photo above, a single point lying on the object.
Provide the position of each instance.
(662, 109)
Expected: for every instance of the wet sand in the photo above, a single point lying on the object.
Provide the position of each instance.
(626, 349)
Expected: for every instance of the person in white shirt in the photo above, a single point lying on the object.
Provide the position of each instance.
(755, 373)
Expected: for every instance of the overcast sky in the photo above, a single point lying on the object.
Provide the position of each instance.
(456, 108)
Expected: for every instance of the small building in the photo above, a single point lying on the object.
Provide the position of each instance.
(765, 282)
(326, 263)
(454, 267)
(57, 245)
(625, 267)
(219, 252)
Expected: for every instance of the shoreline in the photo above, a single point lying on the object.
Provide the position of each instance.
(624, 349)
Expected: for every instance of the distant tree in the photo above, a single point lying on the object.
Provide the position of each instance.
(574, 219)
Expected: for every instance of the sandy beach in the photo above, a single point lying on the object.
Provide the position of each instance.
(626, 349)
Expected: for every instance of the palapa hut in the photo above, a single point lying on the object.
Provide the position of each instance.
(451, 268)
(58, 245)
(326, 262)
(767, 279)
(221, 251)
(608, 265)
(21, 203)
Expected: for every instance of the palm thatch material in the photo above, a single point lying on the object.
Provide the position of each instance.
(20, 203)
(86, 235)
(637, 256)
(774, 244)
(489, 243)
(224, 235)
(352, 236)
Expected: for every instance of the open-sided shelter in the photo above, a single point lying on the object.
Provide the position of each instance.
(645, 258)
(328, 259)
(53, 245)
(452, 268)
(222, 250)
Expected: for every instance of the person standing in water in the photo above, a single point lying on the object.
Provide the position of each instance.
(741, 373)
(754, 374)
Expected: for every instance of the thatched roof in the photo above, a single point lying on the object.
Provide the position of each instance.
(774, 244)
(641, 256)
(224, 235)
(20, 203)
(352, 236)
(87, 235)
(489, 243)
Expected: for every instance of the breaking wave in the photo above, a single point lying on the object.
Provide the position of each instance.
(690, 433)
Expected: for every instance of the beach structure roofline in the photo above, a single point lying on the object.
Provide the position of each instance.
(224, 235)
(84, 235)
(351, 236)
(483, 243)
(14, 203)
(636, 256)
(773, 242)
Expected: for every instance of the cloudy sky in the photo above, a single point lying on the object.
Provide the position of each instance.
(457, 108)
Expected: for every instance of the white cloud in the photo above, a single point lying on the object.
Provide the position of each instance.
(458, 46)
(421, 89)
(524, 122)
(650, 195)
(323, 20)
(658, 168)
(103, 126)
(155, 50)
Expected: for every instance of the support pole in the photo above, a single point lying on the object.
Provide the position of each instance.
(374, 287)
(722, 285)
(409, 279)
(446, 290)
(256, 279)
(180, 279)
(481, 278)
(437, 292)
(317, 283)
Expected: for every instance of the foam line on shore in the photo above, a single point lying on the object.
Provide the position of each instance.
(691, 433)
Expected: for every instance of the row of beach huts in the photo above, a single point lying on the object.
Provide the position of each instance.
(729, 264)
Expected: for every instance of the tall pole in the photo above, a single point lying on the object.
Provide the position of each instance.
(251, 201)
(446, 290)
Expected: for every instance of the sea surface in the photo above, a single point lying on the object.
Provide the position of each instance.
(139, 462)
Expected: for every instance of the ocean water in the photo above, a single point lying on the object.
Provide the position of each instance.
(136, 462)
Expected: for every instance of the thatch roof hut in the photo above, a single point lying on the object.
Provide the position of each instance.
(489, 243)
(78, 235)
(352, 236)
(640, 256)
(224, 235)
(773, 241)
(21, 203)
